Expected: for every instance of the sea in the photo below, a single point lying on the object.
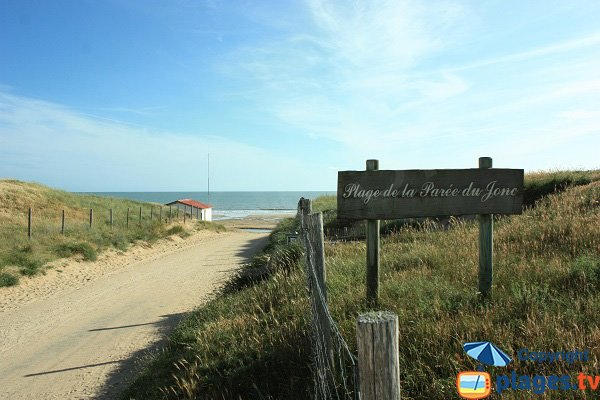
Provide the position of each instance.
(229, 205)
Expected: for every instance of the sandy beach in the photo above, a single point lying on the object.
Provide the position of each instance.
(264, 221)
(77, 331)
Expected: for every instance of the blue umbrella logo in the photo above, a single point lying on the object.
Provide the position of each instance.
(487, 353)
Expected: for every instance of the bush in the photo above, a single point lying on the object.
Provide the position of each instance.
(24, 257)
(176, 230)
(7, 279)
(72, 248)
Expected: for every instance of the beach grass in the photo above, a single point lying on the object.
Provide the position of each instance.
(253, 343)
(23, 256)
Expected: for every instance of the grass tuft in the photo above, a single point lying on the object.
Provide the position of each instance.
(7, 279)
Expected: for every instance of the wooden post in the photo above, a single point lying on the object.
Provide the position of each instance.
(197, 213)
(151, 213)
(160, 214)
(91, 217)
(312, 227)
(62, 225)
(304, 207)
(170, 215)
(127, 222)
(29, 223)
(184, 212)
(140, 219)
(372, 250)
(111, 218)
(177, 213)
(486, 246)
(378, 361)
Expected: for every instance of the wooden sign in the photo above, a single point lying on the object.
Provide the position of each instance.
(385, 194)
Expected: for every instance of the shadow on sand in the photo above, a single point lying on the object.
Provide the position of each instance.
(120, 377)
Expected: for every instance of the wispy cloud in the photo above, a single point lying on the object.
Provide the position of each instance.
(54, 144)
(361, 74)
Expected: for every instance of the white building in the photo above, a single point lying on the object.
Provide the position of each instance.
(193, 208)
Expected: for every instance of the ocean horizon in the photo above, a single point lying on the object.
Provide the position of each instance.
(229, 205)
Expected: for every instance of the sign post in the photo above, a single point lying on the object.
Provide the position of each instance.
(384, 194)
(486, 246)
(372, 250)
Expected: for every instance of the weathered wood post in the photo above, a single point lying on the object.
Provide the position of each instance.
(127, 221)
(62, 224)
(170, 214)
(486, 246)
(160, 214)
(378, 360)
(151, 213)
(91, 217)
(140, 219)
(184, 212)
(29, 215)
(373, 250)
(111, 218)
(312, 228)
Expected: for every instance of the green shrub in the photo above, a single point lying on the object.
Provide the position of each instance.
(72, 248)
(7, 279)
(175, 230)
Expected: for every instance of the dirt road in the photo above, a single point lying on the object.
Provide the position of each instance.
(83, 342)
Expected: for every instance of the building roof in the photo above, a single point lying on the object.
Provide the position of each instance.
(190, 202)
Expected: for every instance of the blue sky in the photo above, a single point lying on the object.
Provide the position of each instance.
(132, 95)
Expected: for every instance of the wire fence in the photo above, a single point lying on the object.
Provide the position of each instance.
(335, 368)
(40, 221)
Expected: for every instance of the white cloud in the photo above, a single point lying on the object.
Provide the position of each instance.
(53, 144)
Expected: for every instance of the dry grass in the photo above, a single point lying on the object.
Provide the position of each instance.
(21, 256)
(252, 344)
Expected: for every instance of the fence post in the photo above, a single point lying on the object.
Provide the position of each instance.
(111, 218)
(372, 250)
(486, 246)
(29, 223)
(378, 361)
(140, 219)
(62, 224)
(127, 222)
(160, 214)
(312, 228)
(91, 217)
(151, 213)
(170, 215)
(184, 212)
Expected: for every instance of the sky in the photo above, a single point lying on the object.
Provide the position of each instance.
(126, 95)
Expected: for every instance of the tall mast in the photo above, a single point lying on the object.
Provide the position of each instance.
(208, 179)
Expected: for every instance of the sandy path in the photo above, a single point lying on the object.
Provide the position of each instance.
(81, 341)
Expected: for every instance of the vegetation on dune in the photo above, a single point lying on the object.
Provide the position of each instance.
(22, 256)
(252, 342)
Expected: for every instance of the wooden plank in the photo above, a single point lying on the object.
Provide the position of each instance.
(386, 194)
(378, 359)
(373, 250)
